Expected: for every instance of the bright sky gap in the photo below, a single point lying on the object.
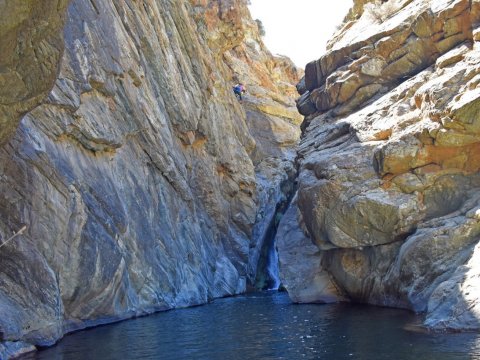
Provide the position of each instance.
(299, 29)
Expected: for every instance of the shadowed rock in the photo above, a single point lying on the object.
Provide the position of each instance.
(138, 177)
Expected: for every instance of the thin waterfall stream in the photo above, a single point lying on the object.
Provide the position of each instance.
(268, 273)
(272, 268)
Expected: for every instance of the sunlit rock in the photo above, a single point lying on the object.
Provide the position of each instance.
(389, 182)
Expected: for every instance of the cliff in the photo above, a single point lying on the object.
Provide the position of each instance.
(387, 210)
(143, 183)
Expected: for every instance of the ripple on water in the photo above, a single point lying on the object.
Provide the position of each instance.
(266, 326)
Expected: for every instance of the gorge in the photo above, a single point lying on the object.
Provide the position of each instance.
(144, 185)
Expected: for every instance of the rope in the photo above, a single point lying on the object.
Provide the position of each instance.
(19, 232)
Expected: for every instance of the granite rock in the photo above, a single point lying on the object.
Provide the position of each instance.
(388, 164)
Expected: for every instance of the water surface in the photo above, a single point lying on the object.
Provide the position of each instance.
(266, 326)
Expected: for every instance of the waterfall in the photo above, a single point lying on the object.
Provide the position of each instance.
(268, 274)
(273, 274)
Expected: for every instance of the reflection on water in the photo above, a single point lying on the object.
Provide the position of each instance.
(266, 326)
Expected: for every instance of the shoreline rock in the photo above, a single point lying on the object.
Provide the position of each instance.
(388, 166)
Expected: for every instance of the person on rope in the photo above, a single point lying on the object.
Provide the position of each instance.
(239, 90)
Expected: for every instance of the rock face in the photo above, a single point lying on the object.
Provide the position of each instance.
(139, 181)
(389, 183)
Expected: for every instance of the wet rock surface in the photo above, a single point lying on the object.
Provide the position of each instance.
(389, 182)
(143, 183)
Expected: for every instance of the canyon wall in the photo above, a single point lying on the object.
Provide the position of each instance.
(143, 183)
(389, 184)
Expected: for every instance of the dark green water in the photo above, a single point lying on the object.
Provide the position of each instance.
(266, 326)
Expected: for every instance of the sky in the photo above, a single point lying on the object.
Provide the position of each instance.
(299, 29)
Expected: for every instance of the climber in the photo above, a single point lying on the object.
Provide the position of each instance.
(239, 89)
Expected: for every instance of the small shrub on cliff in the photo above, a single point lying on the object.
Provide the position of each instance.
(261, 28)
(381, 10)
